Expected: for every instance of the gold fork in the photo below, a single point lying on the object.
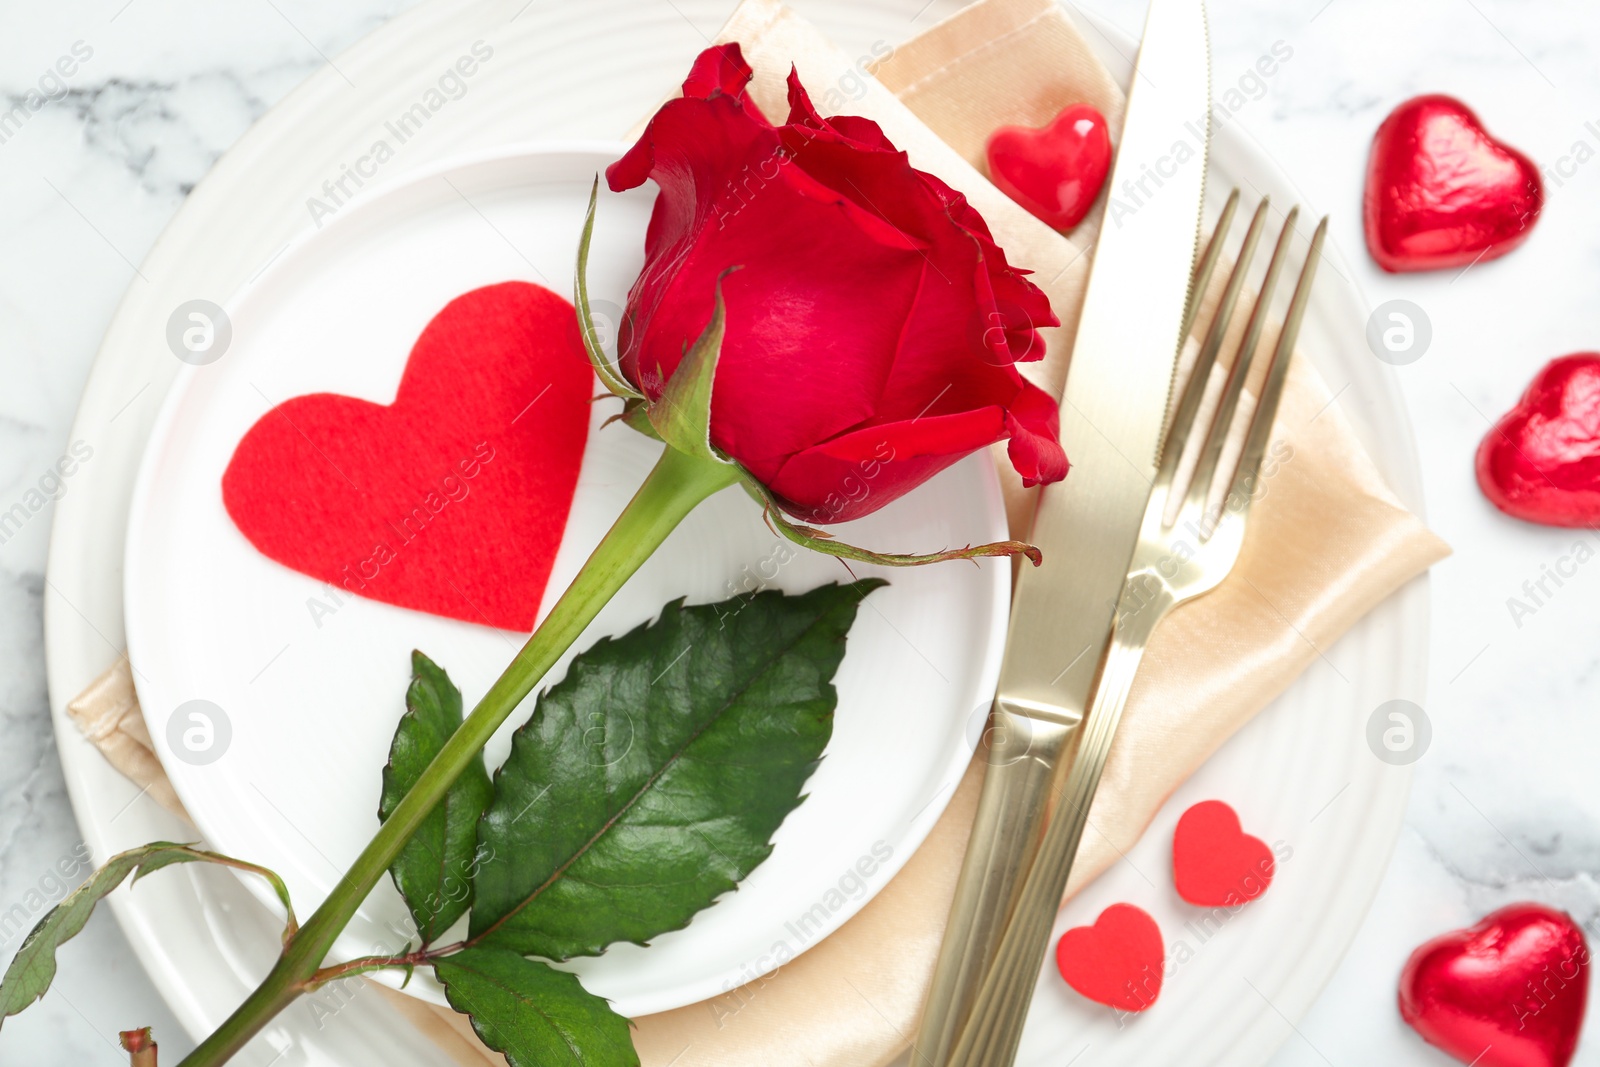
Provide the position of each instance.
(1183, 552)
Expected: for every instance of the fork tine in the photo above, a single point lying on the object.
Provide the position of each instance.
(1205, 470)
(1255, 446)
(1207, 264)
(1194, 390)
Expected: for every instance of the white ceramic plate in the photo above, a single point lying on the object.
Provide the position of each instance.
(311, 698)
(206, 941)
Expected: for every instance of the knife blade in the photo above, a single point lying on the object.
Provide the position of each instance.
(1113, 412)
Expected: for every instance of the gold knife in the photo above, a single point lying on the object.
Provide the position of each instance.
(1113, 411)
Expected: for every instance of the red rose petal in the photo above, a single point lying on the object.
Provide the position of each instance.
(719, 69)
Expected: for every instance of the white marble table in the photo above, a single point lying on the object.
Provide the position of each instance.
(1505, 805)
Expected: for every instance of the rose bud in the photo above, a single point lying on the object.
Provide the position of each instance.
(872, 323)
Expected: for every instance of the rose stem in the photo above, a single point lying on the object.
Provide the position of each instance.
(674, 487)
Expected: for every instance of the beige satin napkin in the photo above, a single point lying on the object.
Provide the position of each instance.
(1328, 542)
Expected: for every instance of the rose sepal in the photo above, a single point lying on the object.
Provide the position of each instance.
(681, 415)
(635, 414)
(609, 376)
(824, 542)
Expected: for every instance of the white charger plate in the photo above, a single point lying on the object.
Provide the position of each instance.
(311, 699)
(1300, 772)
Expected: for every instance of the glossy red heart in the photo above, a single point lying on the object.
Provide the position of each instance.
(1541, 462)
(451, 500)
(1118, 961)
(1055, 171)
(1441, 192)
(1214, 862)
(1508, 992)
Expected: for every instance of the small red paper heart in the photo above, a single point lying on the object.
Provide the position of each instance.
(1214, 862)
(1441, 192)
(1118, 961)
(1508, 992)
(453, 499)
(1541, 462)
(1055, 171)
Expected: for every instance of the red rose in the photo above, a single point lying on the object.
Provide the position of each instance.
(873, 325)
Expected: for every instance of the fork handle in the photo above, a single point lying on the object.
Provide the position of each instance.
(993, 1029)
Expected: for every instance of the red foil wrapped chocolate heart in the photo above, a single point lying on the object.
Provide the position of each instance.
(1541, 462)
(1055, 171)
(1441, 192)
(1508, 992)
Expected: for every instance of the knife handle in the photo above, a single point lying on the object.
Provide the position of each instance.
(993, 1025)
(1025, 757)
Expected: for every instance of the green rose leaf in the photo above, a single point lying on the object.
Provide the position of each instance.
(534, 1014)
(650, 780)
(434, 870)
(34, 966)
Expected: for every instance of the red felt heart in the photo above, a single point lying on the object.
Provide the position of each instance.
(1117, 961)
(1055, 171)
(1508, 992)
(1214, 862)
(453, 499)
(1442, 193)
(1541, 462)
